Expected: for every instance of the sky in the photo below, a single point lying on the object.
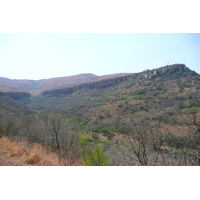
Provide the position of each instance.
(47, 55)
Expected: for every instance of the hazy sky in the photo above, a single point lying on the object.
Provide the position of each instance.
(41, 56)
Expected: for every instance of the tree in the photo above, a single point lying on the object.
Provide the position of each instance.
(54, 124)
(93, 153)
(192, 117)
(138, 141)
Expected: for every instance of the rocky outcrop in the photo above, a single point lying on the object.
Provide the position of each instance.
(112, 82)
(91, 85)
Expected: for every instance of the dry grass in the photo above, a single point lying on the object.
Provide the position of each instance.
(38, 155)
(22, 153)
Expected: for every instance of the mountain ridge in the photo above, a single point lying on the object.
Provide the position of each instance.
(156, 73)
(35, 87)
(17, 88)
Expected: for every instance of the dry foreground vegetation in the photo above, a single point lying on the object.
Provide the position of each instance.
(21, 153)
(147, 119)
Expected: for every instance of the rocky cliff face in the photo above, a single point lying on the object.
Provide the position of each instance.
(111, 82)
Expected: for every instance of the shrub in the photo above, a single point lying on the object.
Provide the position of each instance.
(93, 154)
(105, 131)
(173, 141)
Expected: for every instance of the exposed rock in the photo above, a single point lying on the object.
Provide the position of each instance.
(111, 82)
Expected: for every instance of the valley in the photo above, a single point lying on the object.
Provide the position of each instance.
(147, 118)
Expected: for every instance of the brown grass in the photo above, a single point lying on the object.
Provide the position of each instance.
(22, 153)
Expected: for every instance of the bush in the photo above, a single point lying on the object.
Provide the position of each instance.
(173, 120)
(93, 154)
(173, 141)
(5, 129)
(106, 132)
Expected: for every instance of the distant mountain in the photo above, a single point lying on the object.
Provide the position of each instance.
(35, 87)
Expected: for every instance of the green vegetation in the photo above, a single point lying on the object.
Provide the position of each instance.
(105, 131)
(93, 152)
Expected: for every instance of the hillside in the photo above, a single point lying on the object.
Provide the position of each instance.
(119, 102)
(12, 106)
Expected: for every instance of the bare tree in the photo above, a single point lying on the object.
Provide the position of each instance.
(192, 117)
(54, 124)
(157, 133)
(139, 147)
(63, 138)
